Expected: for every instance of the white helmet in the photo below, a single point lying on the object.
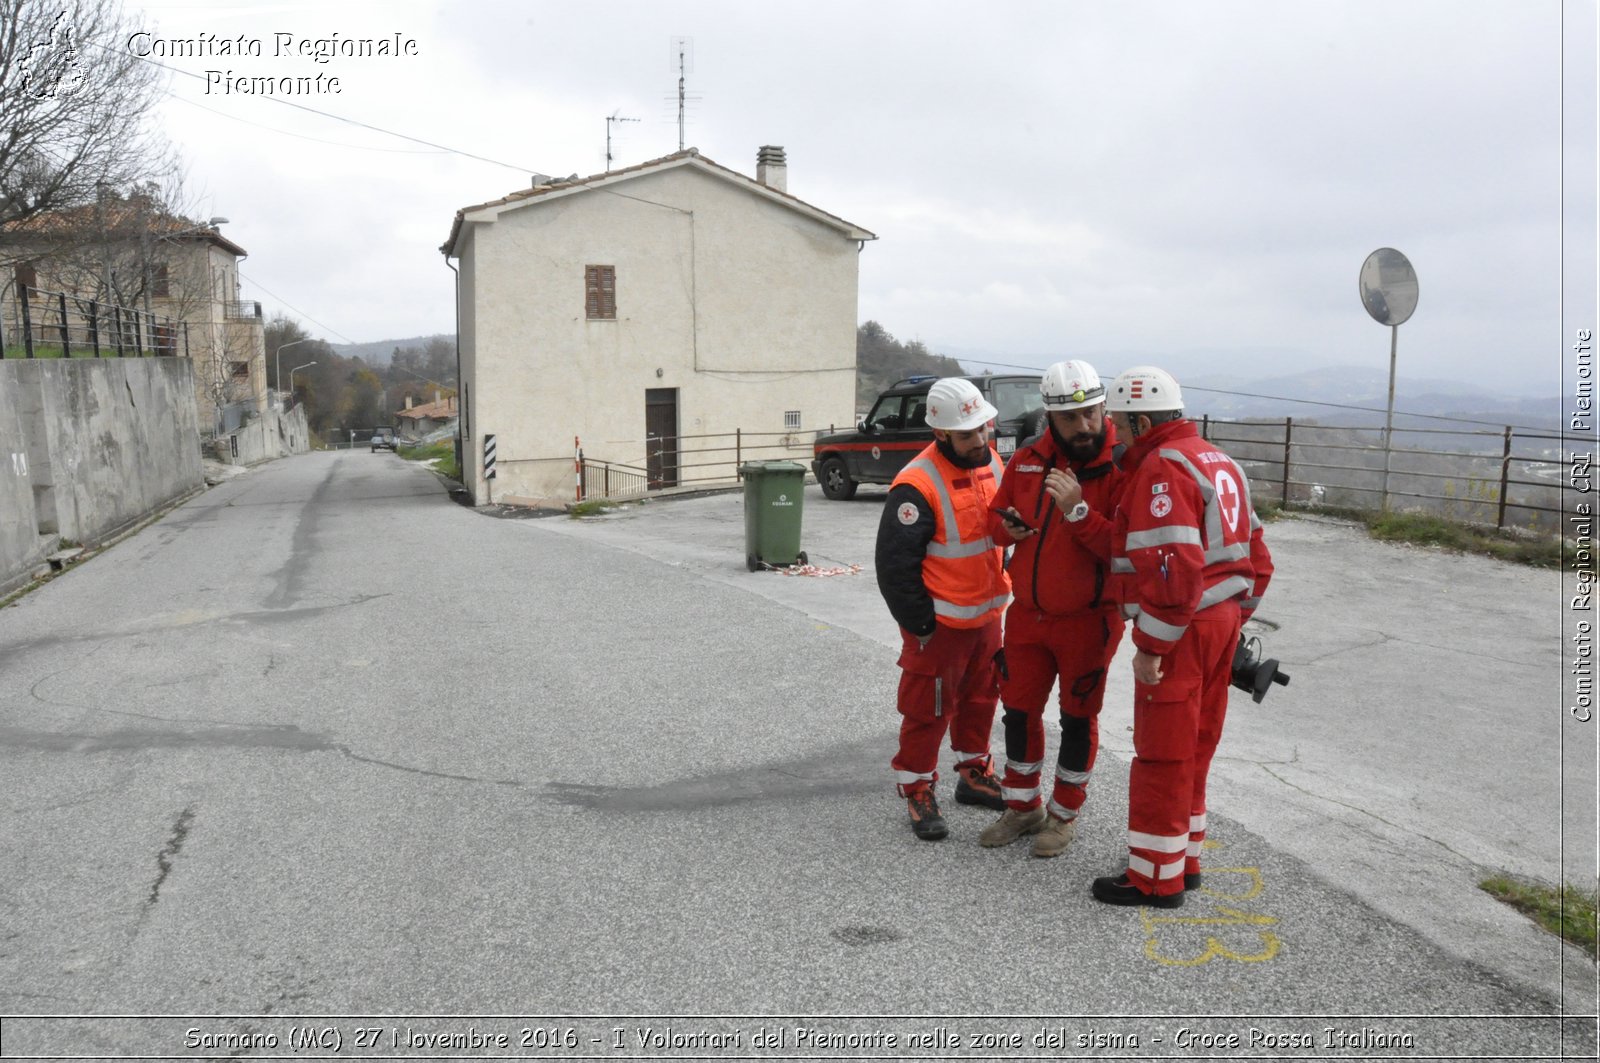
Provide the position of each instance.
(1144, 389)
(955, 405)
(1071, 386)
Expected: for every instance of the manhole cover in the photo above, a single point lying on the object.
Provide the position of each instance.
(866, 935)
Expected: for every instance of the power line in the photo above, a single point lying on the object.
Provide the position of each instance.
(296, 309)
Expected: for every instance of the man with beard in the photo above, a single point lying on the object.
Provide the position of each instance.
(944, 581)
(1055, 503)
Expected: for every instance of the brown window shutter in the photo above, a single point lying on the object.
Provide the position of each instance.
(600, 292)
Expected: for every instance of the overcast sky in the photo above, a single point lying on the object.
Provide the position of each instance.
(1157, 180)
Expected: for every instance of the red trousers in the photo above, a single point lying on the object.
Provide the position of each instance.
(1041, 648)
(1176, 726)
(951, 684)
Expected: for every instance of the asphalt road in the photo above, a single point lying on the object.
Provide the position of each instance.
(323, 751)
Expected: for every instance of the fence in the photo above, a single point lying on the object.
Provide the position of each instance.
(55, 324)
(715, 460)
(1515, 477)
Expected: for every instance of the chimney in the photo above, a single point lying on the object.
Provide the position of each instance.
(408, 402)
(772, 169)
(437, 398)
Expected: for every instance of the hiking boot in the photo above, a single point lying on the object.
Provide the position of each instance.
(926, 822)
(979, 786)
(1055, 836)
(1191, 881)
(1012, 824)
(1120, 891)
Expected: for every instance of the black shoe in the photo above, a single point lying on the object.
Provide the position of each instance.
(1120, 891)
(979, 786)
(1191, 881)
(926, 822)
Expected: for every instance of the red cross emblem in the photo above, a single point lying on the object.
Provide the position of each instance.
(1228, 495)
(969, 405)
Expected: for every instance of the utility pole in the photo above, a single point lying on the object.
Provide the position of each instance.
(683, 49)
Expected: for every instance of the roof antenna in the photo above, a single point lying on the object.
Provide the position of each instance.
(683, 58)
(614, 116)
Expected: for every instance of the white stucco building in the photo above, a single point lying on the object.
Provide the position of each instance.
(676, 299)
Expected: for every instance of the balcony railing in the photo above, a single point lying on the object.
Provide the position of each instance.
(248, 311)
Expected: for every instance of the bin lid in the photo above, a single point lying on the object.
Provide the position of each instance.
(762, 467)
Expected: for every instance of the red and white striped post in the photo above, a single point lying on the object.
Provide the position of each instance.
(577, 469)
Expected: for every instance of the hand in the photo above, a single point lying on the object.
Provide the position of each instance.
(923, 640)
(1146, 668)
(1064, 487)
(1016, 532)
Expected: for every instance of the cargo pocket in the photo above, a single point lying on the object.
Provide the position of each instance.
(1166, 718)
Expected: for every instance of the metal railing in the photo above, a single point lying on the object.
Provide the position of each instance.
(56, 324)
(689, 461)
(245, 311)
(1513, 477)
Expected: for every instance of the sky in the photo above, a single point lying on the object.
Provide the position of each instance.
(1193, 184)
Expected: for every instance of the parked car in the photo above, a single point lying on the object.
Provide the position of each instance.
(383, 439)
(897, 429)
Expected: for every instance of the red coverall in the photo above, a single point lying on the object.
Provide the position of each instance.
(1061, 624)
(1190, 566)
(941, 574)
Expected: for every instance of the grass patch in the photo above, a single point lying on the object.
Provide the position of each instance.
(590, 507)
(1568, 912)
(84, 351)
(442, 455)
(1492, 542)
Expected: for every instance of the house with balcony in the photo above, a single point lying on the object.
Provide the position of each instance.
(170, 284)
(643, 312)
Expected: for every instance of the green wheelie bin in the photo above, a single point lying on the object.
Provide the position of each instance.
(773, 494)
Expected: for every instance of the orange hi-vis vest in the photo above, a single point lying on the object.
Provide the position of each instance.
(963, 570)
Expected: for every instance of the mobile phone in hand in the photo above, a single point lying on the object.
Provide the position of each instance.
(1014, 520)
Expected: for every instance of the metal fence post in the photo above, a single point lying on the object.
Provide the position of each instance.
(738, 462)
(94, 327)
(116, 317)
(1288, 435)
(1205, 426)
(27, 320)
(66, 341)
(1505, 478)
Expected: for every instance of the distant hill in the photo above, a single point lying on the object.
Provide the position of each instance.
(381, 352)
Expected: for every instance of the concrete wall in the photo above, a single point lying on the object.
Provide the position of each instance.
(745, 306)
(278, 434)
(87, 447)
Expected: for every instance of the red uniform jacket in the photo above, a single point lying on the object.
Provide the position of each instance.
(1186, 537)
(1063, 567)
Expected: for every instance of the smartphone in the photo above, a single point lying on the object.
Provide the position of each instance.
(1014, 520)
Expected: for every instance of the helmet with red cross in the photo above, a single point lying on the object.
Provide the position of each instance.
(955, 405)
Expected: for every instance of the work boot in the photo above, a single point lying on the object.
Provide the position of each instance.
(1120, 891)
(1191, 881)
(979, 786)
(1012, 824)
(1055, 836)
(926, 822)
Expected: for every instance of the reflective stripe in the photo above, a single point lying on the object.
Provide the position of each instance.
(1142, 866)
(1197, 823)
(908, 777)
(1159, 629)
(1172, 870)
(1061, 811)
(1194, 848)
(1072, 778)
(1221, 592)
(1121, 565)
(970, 760)
(1021, 795)
(968, 612)
(1235, 552)
(1157, 842)
(1174, 533)
(1159, 872)
(1022, 768)
(960, 549)
(1249, 604)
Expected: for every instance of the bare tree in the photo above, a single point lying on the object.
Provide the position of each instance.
(73, 101)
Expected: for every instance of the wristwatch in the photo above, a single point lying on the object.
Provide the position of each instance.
(1077, 512)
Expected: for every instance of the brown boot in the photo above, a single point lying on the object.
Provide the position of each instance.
(1012, 824)
(1054, 836)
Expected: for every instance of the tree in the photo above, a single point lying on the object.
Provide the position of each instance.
(73, 101)
(881, 360)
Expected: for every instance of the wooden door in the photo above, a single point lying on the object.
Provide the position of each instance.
(661, 436)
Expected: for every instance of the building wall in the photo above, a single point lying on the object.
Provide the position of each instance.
(744, 306)
(90, 447)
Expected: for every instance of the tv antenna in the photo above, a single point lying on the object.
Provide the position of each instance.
(683, 60)
(614, 116)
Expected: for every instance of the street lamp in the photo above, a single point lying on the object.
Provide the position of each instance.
(277, 362)
(295, 370)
